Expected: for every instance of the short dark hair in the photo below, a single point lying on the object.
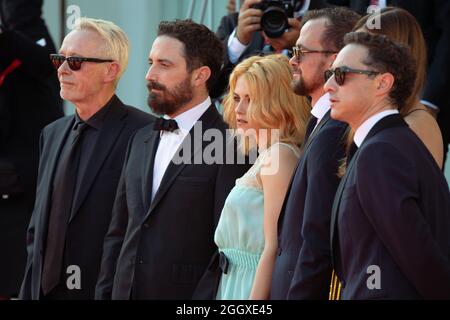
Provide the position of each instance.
(201, 46)
(384, 55)
(341, 20)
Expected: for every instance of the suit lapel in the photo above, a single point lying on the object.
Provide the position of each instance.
(307, 144)
(49, 174)
(337, 201)
(173, 170)
(391, 121)
(111, 129)
(150, 148)
(316, 131)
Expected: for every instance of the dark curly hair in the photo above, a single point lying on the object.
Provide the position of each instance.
(384, 55)
(201, 46)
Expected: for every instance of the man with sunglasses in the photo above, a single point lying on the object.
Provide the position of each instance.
(81, 160)
(390, 226)
(303, 265)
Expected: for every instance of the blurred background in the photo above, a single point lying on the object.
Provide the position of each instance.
(139, 19)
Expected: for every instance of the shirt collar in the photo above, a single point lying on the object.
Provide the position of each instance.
(322, 106)
(364, 129)
(95, 121)
(187, 119)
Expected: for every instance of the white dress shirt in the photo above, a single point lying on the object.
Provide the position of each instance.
(320, 109)
(171, 141)
(364, 129)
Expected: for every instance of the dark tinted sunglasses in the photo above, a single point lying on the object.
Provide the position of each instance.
(74, 62)
(340, 72)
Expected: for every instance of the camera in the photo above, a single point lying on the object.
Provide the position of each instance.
(274, 20)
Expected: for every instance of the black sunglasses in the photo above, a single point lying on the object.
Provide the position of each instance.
(299, 54)
(73, 62)
(339, 73)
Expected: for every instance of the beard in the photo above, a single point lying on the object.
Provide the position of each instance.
(303, 88)
(169, 101)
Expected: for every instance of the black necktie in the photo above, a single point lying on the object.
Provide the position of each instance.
(162, 124)
(311, 125)
(62, 200)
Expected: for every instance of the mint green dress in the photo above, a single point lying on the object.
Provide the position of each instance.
(240, 231)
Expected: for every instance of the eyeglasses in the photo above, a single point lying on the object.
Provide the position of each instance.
(340, 72)
(299, 54)
(73, 62)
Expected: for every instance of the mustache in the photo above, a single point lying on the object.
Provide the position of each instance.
(155, 85)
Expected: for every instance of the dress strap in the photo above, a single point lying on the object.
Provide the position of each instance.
(294, 149)
(414, 110)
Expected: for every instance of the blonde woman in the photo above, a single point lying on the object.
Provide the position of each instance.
(260, 100)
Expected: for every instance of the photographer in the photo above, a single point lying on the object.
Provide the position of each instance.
(29, 100)
(244, 36)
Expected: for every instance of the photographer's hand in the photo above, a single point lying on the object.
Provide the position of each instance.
(288, 39)
(248, 22)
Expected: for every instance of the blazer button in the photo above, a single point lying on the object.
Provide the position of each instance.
(146, 225)
(141, 261)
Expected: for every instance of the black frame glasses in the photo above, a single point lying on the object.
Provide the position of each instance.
(74, 62)
(340, 72)
(299, 54)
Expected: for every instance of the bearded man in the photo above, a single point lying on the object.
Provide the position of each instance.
(161, 236)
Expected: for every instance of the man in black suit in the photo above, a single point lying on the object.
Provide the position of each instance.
(242, 36)
(80, 165)
(29, 100)
(161, 236)
(390, 230)
(303, 265)
(432, 16)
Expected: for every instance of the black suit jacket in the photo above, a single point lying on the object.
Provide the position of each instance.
(29, 100)
(159, 249)
(92, 206)
(303, 265)
(392, 210)
(432, 16)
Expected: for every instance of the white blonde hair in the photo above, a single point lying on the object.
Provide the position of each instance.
(117, 45)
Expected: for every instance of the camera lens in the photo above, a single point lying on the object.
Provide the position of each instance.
(274, 21)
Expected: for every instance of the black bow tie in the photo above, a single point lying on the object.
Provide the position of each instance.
(162, 124)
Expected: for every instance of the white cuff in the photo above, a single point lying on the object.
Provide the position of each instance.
(235, 47)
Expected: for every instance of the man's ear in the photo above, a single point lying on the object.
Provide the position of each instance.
(112, 71)
(331, 59)
(201, 76)
(384, 83)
